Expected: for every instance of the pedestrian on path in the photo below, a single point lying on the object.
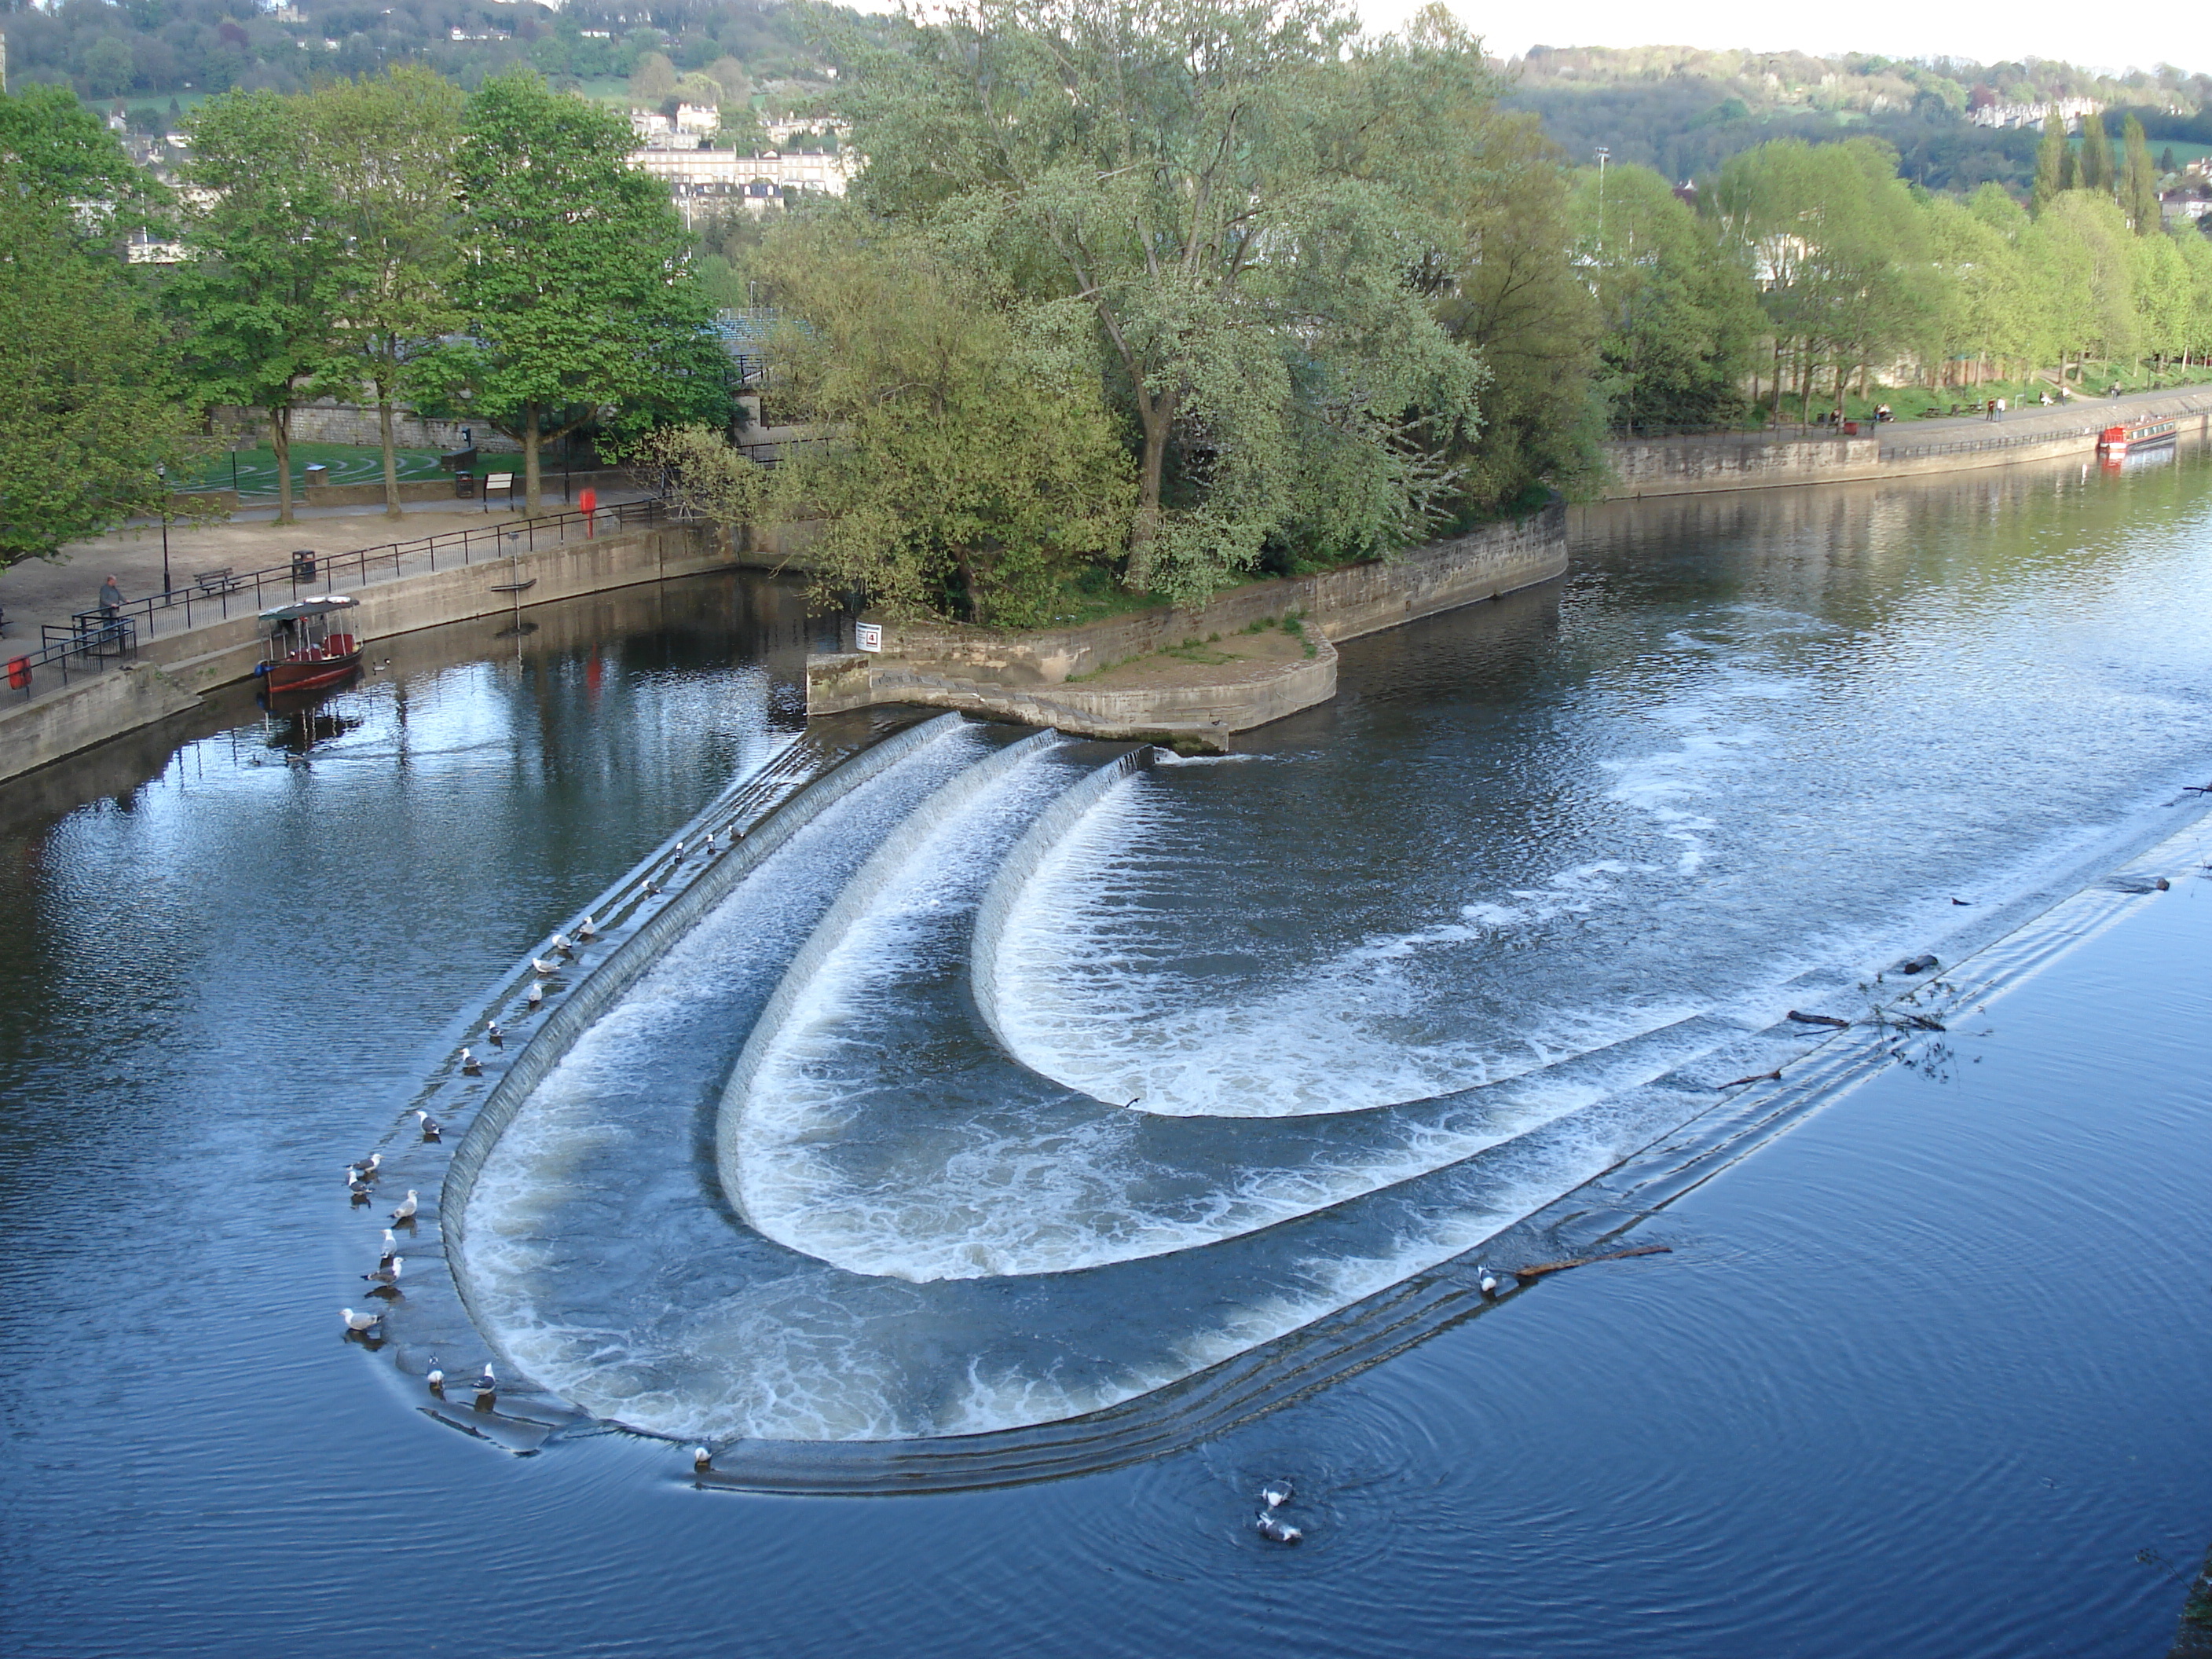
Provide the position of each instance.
(1989, 408)
(2001, 411)
(111, 599)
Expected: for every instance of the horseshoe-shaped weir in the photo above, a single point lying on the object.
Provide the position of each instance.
(825, 1165)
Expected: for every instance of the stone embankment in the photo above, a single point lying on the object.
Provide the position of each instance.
(1080, 679)
(1763, 460)
(174, 669)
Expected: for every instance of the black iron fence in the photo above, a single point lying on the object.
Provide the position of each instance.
(96, 639)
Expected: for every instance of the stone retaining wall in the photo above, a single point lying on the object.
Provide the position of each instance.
(329, 422)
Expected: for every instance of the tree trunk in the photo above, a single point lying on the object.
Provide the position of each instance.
(1157, 415)
(280, 439)
(390, 460)
(530, 463)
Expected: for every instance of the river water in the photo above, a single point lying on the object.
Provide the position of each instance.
(1138, 1124)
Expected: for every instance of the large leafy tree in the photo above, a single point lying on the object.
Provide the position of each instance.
(386, 146)
(1232, 201)
(89, 412)
(1680, 318)
(61, 151)
(265, 292)
(973, 470)
(580, 304)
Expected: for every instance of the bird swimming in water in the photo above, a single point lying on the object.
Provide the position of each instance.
(537, 993)
(407, 1207)
(361, 1191)
(494, 1034)
(1276, 1493)
(586, 928)
(431, 1128)
(470, 1066)
(543, 969)
(701, 1459)
(366, 1168)
(391, 1249)
(360, 1323)
(1273, 1527)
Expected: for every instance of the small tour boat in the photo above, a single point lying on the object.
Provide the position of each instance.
(305, 651)
(2117, 440)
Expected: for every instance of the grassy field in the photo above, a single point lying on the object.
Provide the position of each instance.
(348, 463)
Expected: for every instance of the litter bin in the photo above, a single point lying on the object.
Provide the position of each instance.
(317, 474)
(303, 565)
(464, 485)
(1850, 428)
(19, 673)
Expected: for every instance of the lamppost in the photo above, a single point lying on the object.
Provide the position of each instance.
(1603, 154)
(162, 473)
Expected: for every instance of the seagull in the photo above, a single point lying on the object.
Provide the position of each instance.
(366, 1170)
(701, 1459)
(1276, 1493)
(361, 1191)
(407, 1207)
(562, 947)
(537, 993)
(1487, 1282)
(360, 1323)
(497, 1036)
(543, 968)
(431, 1128)
(1273, 1527)
(710, 842)
(650, 889)
(436, 1379)
(586, 928)
(487, 1384)
(391, 1249)
(679, 849)
(470, 1066)
(389, 1273)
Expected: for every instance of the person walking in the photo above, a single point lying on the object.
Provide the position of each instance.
(2001, 411)
(111, 599)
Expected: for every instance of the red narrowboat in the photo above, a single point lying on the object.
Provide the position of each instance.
(2117, 440)
(310, 647)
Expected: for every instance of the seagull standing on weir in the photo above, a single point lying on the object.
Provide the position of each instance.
(391, 1249)
(560, 947)
(388, 1275)
(366, 1168)
(1487, 1283)
(586, 928)
(360, 1324)
(431, 1128)
(701, 1459)
(494, 1035)
(436, 1379)
(543, 969)
(407, 1207)
(470, 1066)
(536, 995)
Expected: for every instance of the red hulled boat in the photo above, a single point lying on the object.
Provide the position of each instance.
(304, 651)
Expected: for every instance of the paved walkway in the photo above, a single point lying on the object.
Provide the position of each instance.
(2061, 420)
(39, 591)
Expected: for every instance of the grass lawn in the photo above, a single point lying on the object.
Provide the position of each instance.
(348, 463)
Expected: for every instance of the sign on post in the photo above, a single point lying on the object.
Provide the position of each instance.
(868, 636)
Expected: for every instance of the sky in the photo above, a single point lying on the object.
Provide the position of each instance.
(2105, 36)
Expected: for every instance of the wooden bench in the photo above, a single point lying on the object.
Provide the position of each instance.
(213, 584)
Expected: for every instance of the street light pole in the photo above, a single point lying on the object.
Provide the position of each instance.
(1603, 153)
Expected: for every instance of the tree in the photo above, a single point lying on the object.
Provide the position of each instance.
(89, 406)
(386, 149)
(2139, 182)
(2052, 156)
(264, 293)
(2079, 253)
(2096, 171)
(1680, 317)
(1518, 302)
(1232, 199)
(574, 282)
(653, 79)
(60, 151)
(974, 467)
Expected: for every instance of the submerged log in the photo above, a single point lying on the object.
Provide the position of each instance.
(1537, 1270)
(1821, 1019)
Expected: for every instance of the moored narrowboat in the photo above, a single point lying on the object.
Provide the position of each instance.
(2117, 441)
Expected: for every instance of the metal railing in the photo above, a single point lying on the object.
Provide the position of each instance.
(89, 649)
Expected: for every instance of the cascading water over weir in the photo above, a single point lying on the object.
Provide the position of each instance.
(988, 1122)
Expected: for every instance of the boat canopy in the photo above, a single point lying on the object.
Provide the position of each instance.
(300, 607)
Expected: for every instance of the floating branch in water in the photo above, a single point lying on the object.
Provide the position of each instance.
(1774, 1076)
(1821, 1019)
(1537, 1270)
